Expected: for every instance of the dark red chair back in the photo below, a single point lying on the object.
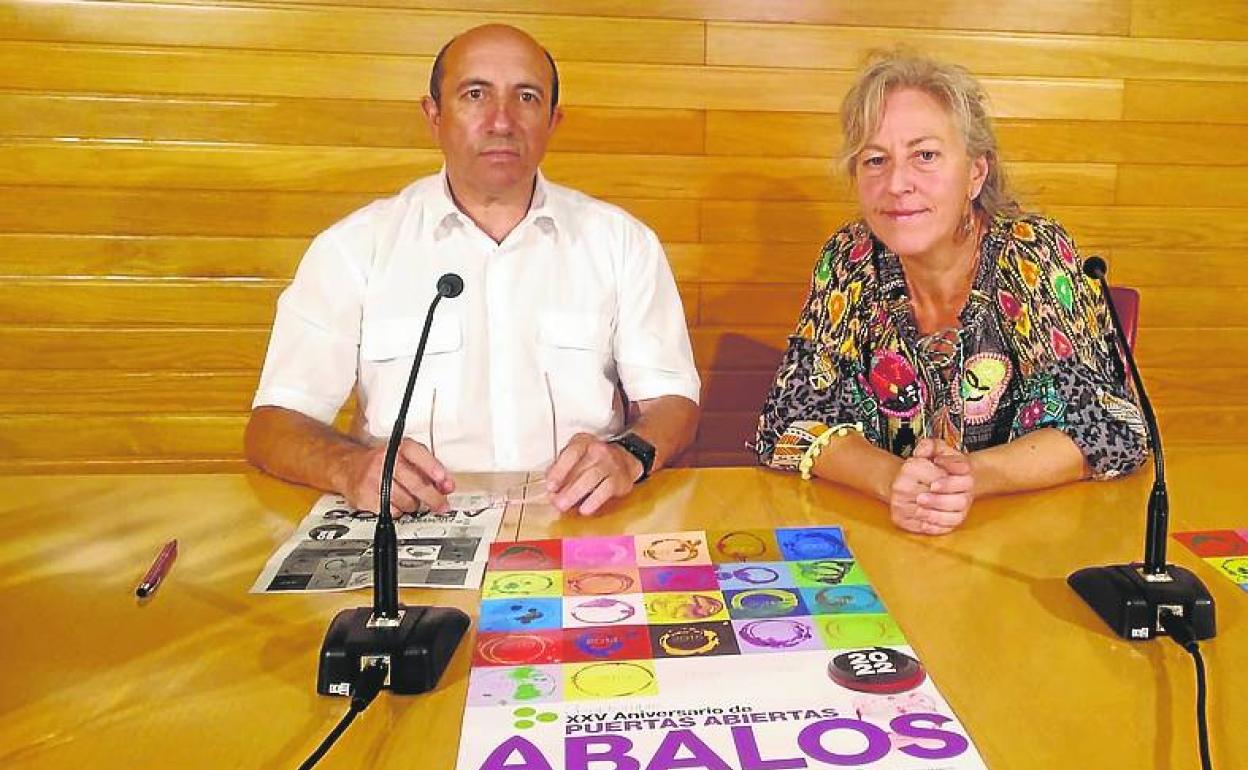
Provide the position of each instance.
(1127, 303)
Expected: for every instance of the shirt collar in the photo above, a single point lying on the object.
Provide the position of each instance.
(544, 210)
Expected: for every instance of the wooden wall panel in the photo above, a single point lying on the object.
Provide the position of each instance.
(191, 72)
(138, 302)
(131, 349)
(774, 45)
(1178, 267)
(345, 30)
(1185, 102)
(91, 391)
(192, 436)
(1094, 16)
(150, 256)
(164, 165)
(1197, 19)
(1182, 185)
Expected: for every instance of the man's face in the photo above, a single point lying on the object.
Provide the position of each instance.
(494, 120)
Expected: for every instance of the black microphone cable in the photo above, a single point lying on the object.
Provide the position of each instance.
(372, 679)
(1181, 632)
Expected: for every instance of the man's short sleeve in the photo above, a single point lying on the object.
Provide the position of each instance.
(652, 350)
(313, 351)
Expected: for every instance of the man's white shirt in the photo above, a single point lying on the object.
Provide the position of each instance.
(579, 296)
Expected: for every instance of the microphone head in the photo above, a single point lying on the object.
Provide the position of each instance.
(450, 285)
(1095, 268)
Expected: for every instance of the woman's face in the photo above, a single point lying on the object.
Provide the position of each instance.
(914, 177)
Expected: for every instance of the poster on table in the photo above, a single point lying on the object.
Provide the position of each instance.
(742, 650)
(332, 548)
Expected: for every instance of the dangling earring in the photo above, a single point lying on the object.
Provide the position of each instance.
(968, 223)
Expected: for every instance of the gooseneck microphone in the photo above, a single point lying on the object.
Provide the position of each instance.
(1159, 499)
(416, 643)
(1130, 598)
(385, 541)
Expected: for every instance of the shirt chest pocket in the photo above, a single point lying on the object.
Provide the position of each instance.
(384, 341)
(575, 338)
(387, 348)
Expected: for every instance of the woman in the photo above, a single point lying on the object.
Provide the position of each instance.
(950, 347)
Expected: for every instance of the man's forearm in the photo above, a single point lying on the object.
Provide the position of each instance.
(1037, 460)
(669, 423)
(295, 447)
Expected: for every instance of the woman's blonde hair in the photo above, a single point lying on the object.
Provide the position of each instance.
(950, 85)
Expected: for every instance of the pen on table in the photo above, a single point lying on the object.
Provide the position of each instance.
(158, 570)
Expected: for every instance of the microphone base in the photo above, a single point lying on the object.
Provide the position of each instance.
(1129, 604)
(417, 649)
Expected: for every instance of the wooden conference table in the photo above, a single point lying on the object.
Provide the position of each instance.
(206, 675)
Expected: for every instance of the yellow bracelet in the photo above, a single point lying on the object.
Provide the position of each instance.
(807, 463)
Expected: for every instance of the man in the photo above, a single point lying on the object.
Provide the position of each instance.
(565, 297)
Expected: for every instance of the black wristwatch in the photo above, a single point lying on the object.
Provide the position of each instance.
(637, 447)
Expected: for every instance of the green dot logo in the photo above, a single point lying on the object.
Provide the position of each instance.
(527, 717)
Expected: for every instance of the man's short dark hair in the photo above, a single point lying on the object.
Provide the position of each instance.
(439, 70)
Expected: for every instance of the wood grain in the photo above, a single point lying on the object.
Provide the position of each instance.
(84, 67)
(1092, 16)
(157, 256)
(324, 28)
(138, 302)
(1160, 100)
(148, 435)
(1032, 55)
(1199, 19)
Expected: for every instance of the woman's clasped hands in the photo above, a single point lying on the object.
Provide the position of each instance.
(933, 490)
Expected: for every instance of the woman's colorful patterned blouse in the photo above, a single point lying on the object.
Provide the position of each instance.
(1034, 350)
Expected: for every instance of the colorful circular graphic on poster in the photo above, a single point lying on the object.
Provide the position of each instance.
(855, 630)
(836, 599)
(599, 642)
(600, 583)
(828, 572)
(598, 551)
(516, 649)
(807, 544)
(521, 584)
(520, 556)
(612, 679)
(678, 607)
(741, 546)
(775, 633)
(602, 611)
(505, 686)
(519, 614)
(684, 641)
(753, 575)
(768, 602)
(672, 550)
(1236, 568)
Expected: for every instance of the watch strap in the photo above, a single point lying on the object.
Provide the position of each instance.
(637, 447)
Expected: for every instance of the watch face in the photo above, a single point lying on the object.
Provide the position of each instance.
(640, 448)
